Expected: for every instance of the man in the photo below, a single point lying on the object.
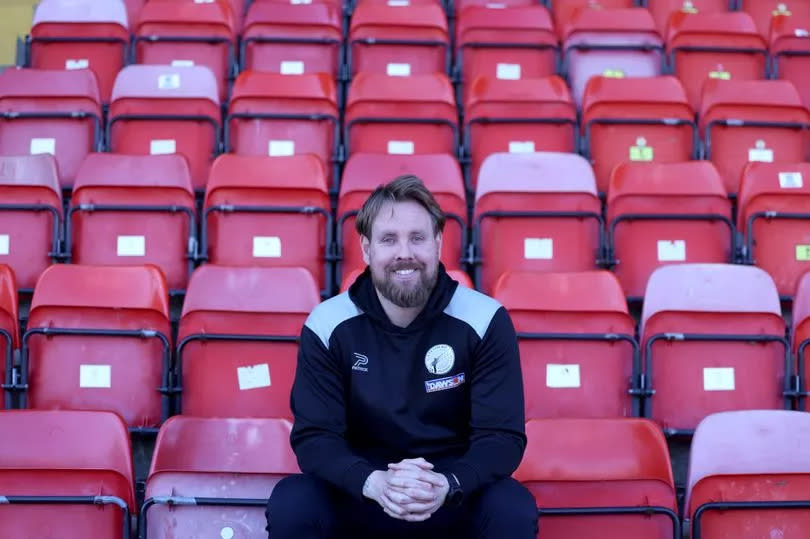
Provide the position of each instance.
(408, 397)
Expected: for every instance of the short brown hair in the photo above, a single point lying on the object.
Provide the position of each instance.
(403, 188)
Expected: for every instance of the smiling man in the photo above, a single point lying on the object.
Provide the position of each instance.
(408, 397)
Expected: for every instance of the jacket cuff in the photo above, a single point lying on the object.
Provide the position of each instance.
(467, 478)
(355, 477)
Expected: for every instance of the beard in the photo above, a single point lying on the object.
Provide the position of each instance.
(406, 295)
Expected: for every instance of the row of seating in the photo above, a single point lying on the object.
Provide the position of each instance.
(711, 339)
(605, 478)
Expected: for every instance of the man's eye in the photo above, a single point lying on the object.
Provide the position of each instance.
(388, 240)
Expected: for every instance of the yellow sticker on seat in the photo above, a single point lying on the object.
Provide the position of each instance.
(803, 253)
(722, 75)
(613, 73)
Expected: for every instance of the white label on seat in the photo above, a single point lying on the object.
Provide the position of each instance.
(671, 250)
(521, 146)
(169, 81)
(131, 246)
(495, 5)
(182, 63)
(4, 244)
(790, 180)
(203, 1)
(43, 145)
(760, 153)
(226, 533)
(507, 71)
(400, 147)
(291, 67)
(77, 63)
(162, 147)
(266, 247)
(300, 2)
(398, 70)
(718, 379)
(399, 3)
(280, 148)
(801, 32)
(95, 376)
(562, 375)
(538, 248)
(253, 376)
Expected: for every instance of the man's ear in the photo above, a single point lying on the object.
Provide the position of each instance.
(365, 243)
(439, 242)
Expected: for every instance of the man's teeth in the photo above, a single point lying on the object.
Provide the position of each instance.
(405, 271)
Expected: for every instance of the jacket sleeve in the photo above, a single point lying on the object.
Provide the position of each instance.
(497, 424)
(319, 430)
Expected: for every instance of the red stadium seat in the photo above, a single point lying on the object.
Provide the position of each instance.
(134, 8)
(268, 211)
(292, 38)
(774, 219)
(790, 53)
(724, 46)
(399, 41)
(183, 34)
(238, 340)
(746, 478)
(766, 12)
(461, 5)
(159, 110)
(66, 474)
(566, 10)
(50, 112)
(662, 9)
(84, 34)
(30, 216)
(134, 209)
(600, 478)
(456, 274)
(713, 341)
(506, 44)
(578, 353)
(98, 339)
(365, 172)
(277, 115)
(9, 333)
(636, 120)
(517, 116)
(749, 121)
(660, 214)
(401, 115)
(536, 212)
(196, 488)
(616, 43)
(800, 335)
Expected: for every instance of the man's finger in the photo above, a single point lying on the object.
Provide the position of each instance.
(390, 505)
(408, 482)
(419, 507)
(421, 475)
(416, 517)
(415, 494)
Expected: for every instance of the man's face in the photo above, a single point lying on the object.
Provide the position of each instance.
(403, 253)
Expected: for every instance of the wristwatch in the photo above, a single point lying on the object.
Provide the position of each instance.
(456, 494)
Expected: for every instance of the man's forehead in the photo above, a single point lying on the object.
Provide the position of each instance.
(397, 216)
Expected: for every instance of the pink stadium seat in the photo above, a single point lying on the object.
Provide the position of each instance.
(456, 274)
(365, 172)
(662, 9)
(565, 11)
(196, 488)
(660, 214)
(724, 46)
(401, 115)
(238, 339)
(268, 211)
(278, 115)
(611, 42)
(159, 110)
(774, 219)
(713, 341)
(292, 38)
(512, 43)
(790, 53)
(398, 40)
(600, 478)
(183, 34)
(134, 209)
(746, 478)
(9, 333)
(67, 474)
(750, 121)
(537, 212)
(53, 112)
(517, 116)
(577, 348)
(766, 12)
(636, 120)
(30, 216)
(98, 339)
(81, 34)
(800, 335)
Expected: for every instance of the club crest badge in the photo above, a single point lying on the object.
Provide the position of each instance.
(440, 359)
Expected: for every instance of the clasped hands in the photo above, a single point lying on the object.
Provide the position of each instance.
(408, 490)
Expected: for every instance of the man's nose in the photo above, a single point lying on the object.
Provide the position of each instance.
(404, 249)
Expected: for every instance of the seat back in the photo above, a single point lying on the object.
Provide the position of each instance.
(789, 44)
(238, 339)
(565, 11)
(661, 10)
(800, 332)
(81, 460)
(766, 13)
(9, 334)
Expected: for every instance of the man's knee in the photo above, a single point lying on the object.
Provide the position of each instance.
(507, 505)
(300, 503)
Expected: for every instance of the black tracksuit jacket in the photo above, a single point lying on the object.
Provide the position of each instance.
(447, 388)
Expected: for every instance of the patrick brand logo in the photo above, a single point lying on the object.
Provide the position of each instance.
(441, 384)
(360, 363)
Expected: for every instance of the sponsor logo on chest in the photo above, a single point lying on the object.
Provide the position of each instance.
(440, 359)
